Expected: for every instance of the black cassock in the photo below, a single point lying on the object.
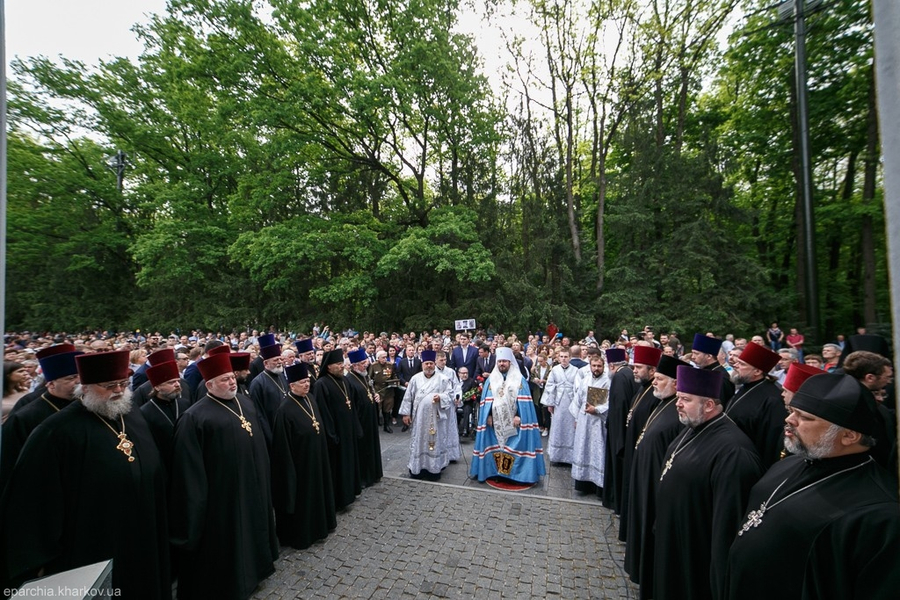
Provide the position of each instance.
(18, 427)
(223, 525)
(143, 393)
(370, 468)
(640, 410)
(622, 388)
(727, 386)
(301, 473)
(161, 418)
(338, 397)
(268, 390)
(646, 466)
(699, 505)
(74, 499)
(758, 410)
(837, 539)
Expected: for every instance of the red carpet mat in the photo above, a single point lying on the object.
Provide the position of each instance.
(508, 485)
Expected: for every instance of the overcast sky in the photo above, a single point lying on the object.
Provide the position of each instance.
(86, 30)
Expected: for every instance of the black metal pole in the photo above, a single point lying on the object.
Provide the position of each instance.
(120, 169)
(809, 223)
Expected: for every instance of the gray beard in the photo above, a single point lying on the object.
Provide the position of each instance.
(818, 450)
(277, 370)
(167, 397)
(111, 409)
(692, 423)
(736, 379)
(226, 395)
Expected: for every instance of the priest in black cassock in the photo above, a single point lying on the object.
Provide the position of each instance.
(302, 491)
(61, 381)
(39, 390)
(143, 392)
(165, 404)
(370, 468)
(89, 486)
(757, 407)
(646, 357)
(661, 428)
(622, 388)
(256, 365)
(240, 362)
(338, 397)
(705, 354)
(306, 352)
(269, 389)
(223, 525)
(824, 523)
(701, 493)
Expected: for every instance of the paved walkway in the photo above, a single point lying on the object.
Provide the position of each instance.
(458, 538)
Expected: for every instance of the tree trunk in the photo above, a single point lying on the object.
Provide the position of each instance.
(866, 234)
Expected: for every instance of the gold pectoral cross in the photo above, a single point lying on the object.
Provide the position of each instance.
(315, 424)
(245, 424)
(668, 466)
(125, 446)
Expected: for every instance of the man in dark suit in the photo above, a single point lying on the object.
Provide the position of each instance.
(409, 365)
(485, 363)
(464, 355)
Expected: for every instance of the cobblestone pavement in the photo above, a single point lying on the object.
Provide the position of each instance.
(458, 538)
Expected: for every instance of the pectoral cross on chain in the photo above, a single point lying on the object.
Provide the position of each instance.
(668, 466)
(125, 446)
(245, 424)
(754, 519)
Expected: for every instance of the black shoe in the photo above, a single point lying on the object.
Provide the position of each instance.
(405, 428)
(387, 428)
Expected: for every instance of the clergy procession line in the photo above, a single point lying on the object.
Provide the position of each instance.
(195, 464)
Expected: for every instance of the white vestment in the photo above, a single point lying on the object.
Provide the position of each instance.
(428, 448)
(589, 452)
(448, 427)
(558, 393)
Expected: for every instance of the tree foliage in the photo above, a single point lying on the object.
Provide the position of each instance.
(348, 161)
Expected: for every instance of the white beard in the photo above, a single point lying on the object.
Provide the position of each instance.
(111, 408)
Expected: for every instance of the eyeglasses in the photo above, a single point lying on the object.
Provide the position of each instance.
(114, 384)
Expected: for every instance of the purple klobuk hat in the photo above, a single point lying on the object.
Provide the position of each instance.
(268, 352)
(267, 339)
(699, 382)
(358, 356)
(56, 366)
(616, 355)
(428, 356)
(706, 344)
(304, 346)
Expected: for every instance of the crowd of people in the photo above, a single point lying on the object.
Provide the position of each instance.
(194, 457)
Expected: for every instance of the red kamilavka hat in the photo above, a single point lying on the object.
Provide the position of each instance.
(647, 355)
(101, 367)
(160, 373)
(214, 366)
(797, 374)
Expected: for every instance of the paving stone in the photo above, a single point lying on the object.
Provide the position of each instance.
(459, 539)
